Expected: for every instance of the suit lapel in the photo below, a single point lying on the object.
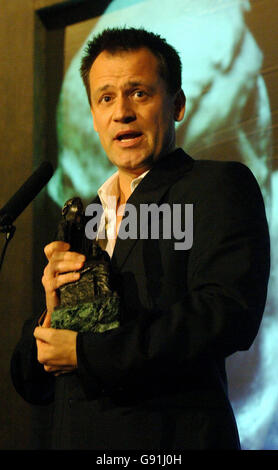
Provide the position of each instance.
(151, 190)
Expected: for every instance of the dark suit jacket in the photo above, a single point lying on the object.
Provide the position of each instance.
(159, 380)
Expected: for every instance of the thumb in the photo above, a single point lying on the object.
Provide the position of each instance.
(47, 321)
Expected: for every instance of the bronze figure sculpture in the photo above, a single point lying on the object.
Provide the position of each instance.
(90, 303)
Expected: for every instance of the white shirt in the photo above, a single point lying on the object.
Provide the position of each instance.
(109, 194)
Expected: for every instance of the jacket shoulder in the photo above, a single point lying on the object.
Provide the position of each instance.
(216, 167)
(224, 174)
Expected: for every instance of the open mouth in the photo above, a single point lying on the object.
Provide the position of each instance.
(128, 136)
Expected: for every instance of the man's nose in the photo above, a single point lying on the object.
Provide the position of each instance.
(123, 110)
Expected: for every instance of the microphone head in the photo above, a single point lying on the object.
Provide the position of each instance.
(26, 193)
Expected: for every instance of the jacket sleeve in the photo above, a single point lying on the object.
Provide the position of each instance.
(28, 376)
(227, 277)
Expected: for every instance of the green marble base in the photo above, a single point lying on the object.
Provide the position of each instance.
(96, 316)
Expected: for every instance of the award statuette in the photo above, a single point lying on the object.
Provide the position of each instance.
(90, 303)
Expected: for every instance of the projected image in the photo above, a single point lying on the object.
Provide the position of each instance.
(228, 117)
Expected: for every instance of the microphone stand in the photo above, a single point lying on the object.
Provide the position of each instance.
(9, 230)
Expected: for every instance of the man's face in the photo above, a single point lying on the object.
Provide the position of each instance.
(132, 110)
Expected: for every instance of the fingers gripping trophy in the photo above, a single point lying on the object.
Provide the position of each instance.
(89, 304)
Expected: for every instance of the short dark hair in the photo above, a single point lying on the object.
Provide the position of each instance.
(126, 39)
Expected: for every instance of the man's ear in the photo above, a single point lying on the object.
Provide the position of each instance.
(94, 121)
(179, 104)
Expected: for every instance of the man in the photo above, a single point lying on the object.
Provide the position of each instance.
(158, 381)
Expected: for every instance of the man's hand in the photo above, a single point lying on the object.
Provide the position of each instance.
(60, 270)
(56, 349)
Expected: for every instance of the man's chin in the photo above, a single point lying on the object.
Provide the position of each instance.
(132, 162)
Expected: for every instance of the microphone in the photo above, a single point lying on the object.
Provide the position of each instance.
(26, 193)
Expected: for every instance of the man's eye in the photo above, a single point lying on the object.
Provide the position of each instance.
(139, 94)
(105, 99)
